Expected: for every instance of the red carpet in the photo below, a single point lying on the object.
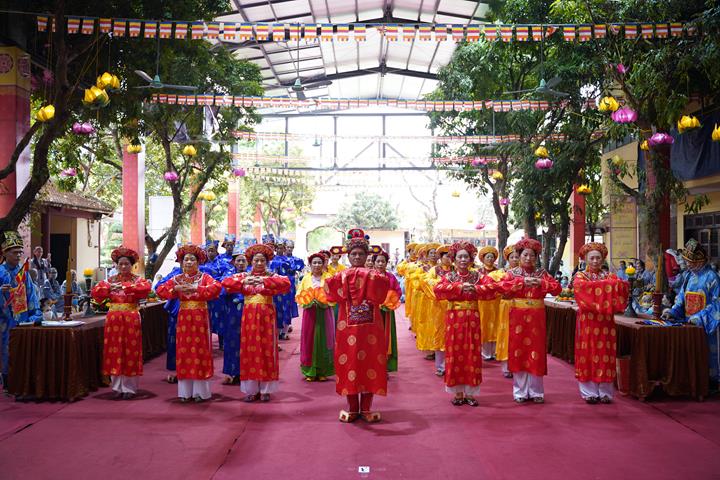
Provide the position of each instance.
(297, 435)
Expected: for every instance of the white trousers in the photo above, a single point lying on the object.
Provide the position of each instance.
(527, 385)
(504, 366)
(488, 350)
(123, 384)
(194, 388)
(466, 389)
(439, 360)
(252, 387)
(597, 390)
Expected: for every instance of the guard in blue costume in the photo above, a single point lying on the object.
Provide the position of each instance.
(24, 307)
(698, 302)
(234, 303)
(297, 265)
(218, 269)
(280, 265)
(172, 307)
(229, 245)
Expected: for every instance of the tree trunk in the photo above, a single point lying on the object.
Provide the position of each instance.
(564, 233)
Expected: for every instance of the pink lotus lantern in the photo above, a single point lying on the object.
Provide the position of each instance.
(171, 176)
(624, 115)
(504, 202)
(479, 226)
(479, 161)
(289, 209)
(83, 128)
(660, 138)
(238, 172)
(543, 164)
(69, 172)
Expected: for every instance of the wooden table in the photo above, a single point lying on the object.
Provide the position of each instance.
(672, 358)
(65, 363)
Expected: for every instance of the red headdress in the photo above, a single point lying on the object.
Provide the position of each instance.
(356, 238)
(589, 247)
(462, 245)
(128, 253)
(326, 254)
(530, 243)
(319, 255)
(192, 249)
(267, 250)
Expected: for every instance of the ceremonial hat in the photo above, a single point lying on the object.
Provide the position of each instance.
(128, 253)
(12, 240)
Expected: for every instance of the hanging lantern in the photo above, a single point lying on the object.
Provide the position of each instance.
(624, 115)
(479, 226)
(134, 148)
(497, 176)
(608, 104)
(716, 134)
(69, 172)
(660, 138)
(95, 98)
(238, 172)
(108, 81)
(455, 194)
(83, 128)
(171, 176)
(644, 145)
(688, 122)
(210, 196)
(541, 152)
(543, 164)
(584, 190)
(45, 113)
(189, 150)
(504, 201)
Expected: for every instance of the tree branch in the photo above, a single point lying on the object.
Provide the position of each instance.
(19, 148)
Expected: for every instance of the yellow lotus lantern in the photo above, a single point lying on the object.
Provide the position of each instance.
(134, 148)
(608, 104)
(45, 113)
(541, 152)
(189, 150)
(88, 272)
(497, 176)
(455, 194)
(95, 97)
(584, 190)
(687, 122)
(630, 271)
(644, 145)
(210, 196)
(108, 81)
(716, 133)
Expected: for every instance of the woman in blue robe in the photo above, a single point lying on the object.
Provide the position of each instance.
(234, 306)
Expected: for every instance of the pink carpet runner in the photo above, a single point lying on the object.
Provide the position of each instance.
(297, 435)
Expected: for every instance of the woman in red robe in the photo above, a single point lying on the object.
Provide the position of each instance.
(599, 296)
(527, 286)
(360, 344)
(193, 346)
(463, 288)
(122, 349)
(259, 361)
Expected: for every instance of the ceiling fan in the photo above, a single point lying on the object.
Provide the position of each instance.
(155, 82)
(544, 87)
(299, 87)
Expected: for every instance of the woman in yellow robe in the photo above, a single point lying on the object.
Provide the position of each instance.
(403, 269)
(436, 333)
(488, 308)
(512, 259)
(423, 322)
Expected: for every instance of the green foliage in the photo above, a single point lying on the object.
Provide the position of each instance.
(368, 211)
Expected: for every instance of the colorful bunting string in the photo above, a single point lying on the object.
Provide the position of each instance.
(281, 32)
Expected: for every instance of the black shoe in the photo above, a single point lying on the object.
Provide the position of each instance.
(591, 400)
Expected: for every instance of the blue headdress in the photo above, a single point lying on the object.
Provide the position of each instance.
(239, 249)
(229, 237)
(268, 238)
(211, 243)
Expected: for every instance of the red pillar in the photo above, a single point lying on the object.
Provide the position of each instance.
(577, 226)
(232, 227)
(197, 223)
(134, 203)
(14, 123)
